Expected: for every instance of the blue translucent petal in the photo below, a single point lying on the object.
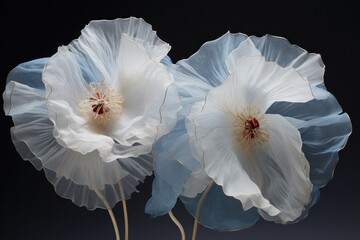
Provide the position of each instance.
(278, 49)
(210, 60)
(173, 165)
(309, 110)
(29, 73)
(166, 61)
(322, 139)
(204, 69)
(324, 132)
(167, 186)
(221, 212)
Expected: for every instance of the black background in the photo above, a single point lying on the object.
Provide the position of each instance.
(32, 210)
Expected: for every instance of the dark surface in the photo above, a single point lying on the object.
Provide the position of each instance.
(32, 210)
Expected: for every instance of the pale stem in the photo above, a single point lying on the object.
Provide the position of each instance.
(198, 208)
(178, 224)
(126, 219)
(113, 220)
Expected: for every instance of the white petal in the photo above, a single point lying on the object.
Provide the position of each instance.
(208, 64)
(256, 82)
(214, 132)
(19, 98)
(75, 176)
(279, 50)
(132, 60)
(195, 184)
(65, 87)
(281, 170)
(245, 48)
(273, 178)
(151, 104)
(102, 42)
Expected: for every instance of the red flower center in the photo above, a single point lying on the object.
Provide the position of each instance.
(250, 127)
(99, 101)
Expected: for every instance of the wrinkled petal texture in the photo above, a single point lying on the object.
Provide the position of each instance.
(173, 165)
(125, 54)
(323, 126)
(257, 83)
(324, 130)
(74, 175)
(174, 147)
(273, 178)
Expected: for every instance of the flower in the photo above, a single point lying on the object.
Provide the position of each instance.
(90, 114)
(258, 121)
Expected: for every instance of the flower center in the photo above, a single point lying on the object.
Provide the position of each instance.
(250, 128)
(101, 104)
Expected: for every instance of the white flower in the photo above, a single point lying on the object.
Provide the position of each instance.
(255, 156)
(108, 99)
(246, 101)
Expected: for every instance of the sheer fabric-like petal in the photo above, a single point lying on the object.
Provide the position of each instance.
(284, 170)
(277, 49)
(75, 176)
(221, 212)
(65, 88)
(172, 167)
(257, 83)
(125, 54)
(314, 114)
(221, 161)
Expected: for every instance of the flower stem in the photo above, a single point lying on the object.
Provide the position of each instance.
(198, 208)
(178, 224)
(113, 219)
(126, 219)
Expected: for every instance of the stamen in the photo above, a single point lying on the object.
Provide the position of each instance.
(101, 104)
(250, 128)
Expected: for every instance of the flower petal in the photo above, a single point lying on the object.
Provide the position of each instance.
(221, 212)
(128, 60)
(151, 102)
(245, 48)
(324, 130)
(195, 184)
(210, 60)
(65, 87)
(75, 176)
(281, 51)
(166, 187)
(274, 178)
(323, 138)
(29, 73)
(172, 166)
(312, 109)
(281, 170)
(102, 40)
(256, 82)
(221, 162)
(208, 66)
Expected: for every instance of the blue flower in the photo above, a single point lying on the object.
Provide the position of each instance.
(258, 122)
